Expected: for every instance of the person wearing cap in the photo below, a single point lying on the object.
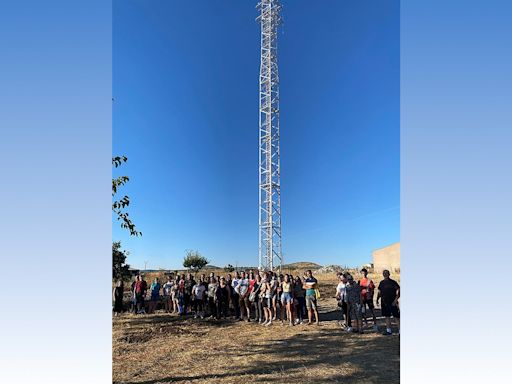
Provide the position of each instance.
(367, 290)
(389, 291)
(354, 303)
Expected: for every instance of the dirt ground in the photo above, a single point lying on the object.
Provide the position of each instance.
(165, 348)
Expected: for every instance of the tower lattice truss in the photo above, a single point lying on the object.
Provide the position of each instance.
(270, 254)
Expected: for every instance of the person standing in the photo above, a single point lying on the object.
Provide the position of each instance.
(367, 291)
(389, 292)
(310, 285)
(133, 296)
(174, 295)
(117, 296)
(279, 296)
(353, 296)
(266, 299)
(167, 288)
(198, 292)
(181, 296)
(242, 289)
(287, 298)
(204, 282)
(222, 294)
(298, 293)
(212, 288)
(341, 295)
(140, 292)
(273, 291)
(251, 278)
(189, 284)
(254, 297)
(155, 295)
(235, 298)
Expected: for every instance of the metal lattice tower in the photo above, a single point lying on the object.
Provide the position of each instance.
(270, 254)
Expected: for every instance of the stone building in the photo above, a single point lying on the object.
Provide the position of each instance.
(387, 258)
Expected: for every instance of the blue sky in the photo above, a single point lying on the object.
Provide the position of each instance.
(185, 112)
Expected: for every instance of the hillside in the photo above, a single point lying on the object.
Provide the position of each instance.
(302, 265)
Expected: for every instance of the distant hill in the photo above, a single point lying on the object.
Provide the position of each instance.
(302, 265)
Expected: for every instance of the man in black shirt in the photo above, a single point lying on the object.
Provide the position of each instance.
(389, 291)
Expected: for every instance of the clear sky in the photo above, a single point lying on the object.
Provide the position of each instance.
(185, 112)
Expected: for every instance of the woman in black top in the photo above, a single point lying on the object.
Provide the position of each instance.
(255, 295)
(117, 296)
(222, 298)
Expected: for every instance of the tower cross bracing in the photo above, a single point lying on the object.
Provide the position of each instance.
(270, 253)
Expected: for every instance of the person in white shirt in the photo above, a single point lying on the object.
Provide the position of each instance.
(235, 299)
(212, 287)
(341, 296)
(198, 291)
(242, 289)
(167, 288)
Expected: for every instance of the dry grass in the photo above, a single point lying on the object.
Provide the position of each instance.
(163, 348)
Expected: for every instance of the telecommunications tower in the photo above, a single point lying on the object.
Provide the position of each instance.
(270, 255)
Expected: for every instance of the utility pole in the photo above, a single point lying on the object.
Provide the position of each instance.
(145, 264)
(269, 253)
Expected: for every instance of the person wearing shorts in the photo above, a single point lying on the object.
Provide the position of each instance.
(310, 285)
(243, 293)
(265, 299)
(389, 292)
(287, 298)
(367, 290)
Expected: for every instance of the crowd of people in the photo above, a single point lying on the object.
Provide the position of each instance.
(355, 298)
(263, 297)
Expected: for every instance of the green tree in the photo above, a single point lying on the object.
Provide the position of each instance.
(194, 261)
(120, 270)
(118, 206)
(229, 268)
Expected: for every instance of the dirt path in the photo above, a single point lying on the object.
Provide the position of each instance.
(164, 348)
